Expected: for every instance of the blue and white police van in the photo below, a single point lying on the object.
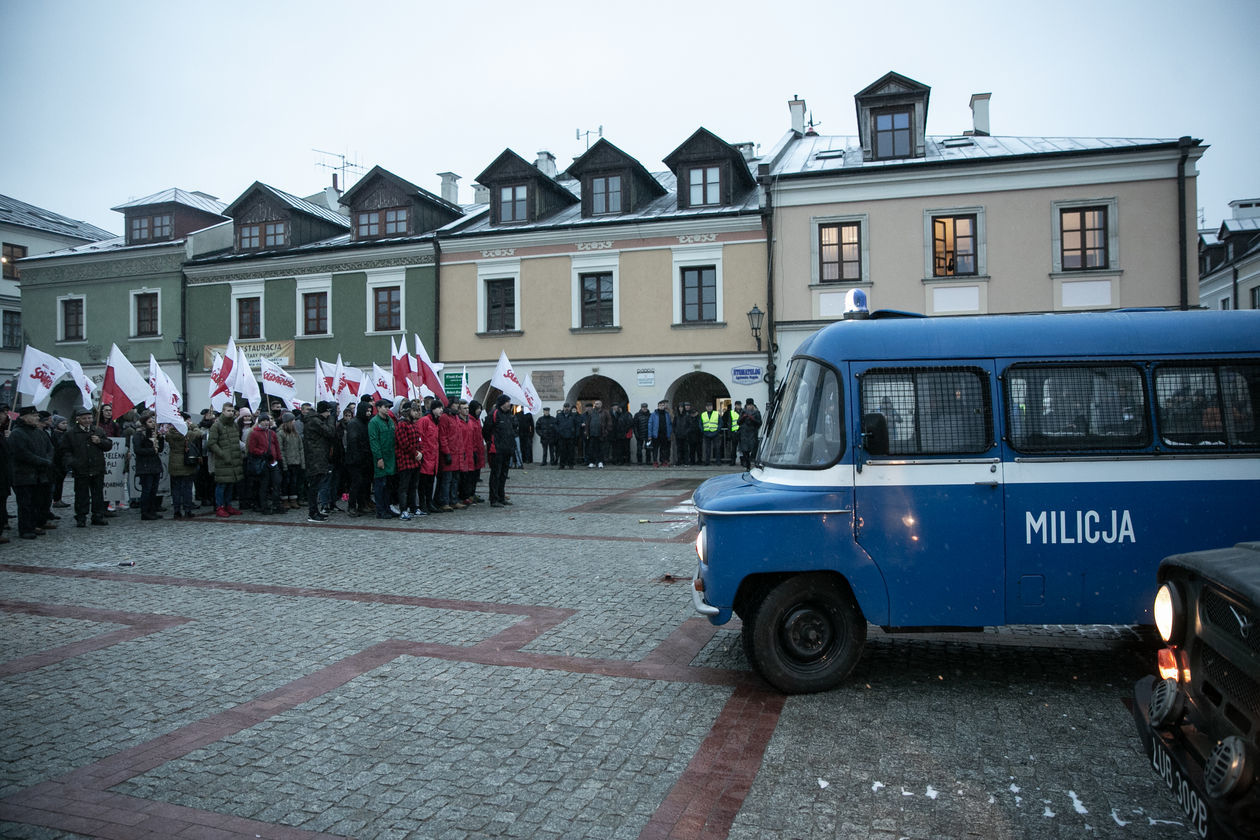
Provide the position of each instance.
(974, 471)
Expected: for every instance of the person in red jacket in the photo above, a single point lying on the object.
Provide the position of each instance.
(449, 461)
(407, 462)
(429, 456)
(262, 466)
(476, 451)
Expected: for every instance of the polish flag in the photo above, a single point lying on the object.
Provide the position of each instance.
(428, 373)
(124, 387)
(221, 376)
(400, 367)
(40, 371)
(506, 380)
(324, 378)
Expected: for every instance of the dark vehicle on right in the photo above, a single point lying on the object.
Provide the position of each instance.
(1199, 720)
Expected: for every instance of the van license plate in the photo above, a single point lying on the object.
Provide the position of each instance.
(1191, 800)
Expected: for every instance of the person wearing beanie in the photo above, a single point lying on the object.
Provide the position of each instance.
(382, 439)
(501, 436)
(318, 438)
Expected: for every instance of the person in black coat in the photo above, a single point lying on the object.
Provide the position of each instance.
(359, 458)
(546, 428)
(500, 434)
(6, 470)
(568, 424)
(318, 441)
(32, 453)
(641, 420)
(82, 450)
(147, 446)
(525, 433)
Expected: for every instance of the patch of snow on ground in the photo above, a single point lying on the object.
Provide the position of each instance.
(1077, 804)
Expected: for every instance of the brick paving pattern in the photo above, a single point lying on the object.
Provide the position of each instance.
(531, 672)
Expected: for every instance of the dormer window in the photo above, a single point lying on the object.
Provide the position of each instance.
(373, 223)
(151, 228)
(514, 203)
(892, 134)
(265, 235)
(248, 237)
(705, 184)
(605, 194)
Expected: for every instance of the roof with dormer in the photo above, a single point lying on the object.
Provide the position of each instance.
(705, 144)
(602, 155)
(196, 200)
(408, 188)
(509, 166)
(299, 205)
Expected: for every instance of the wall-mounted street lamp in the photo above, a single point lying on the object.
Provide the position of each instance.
(755, 317)
(181, 353)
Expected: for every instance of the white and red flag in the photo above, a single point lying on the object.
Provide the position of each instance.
(277, 383)
(156, 376)
(325, 376)
(400, 369)
(533, 402)
(86, 386)
(465, 391)
(382, 383)
(124, 387)
(427, 373)
(242, 380)
(221, 376)
(40, 371)
(506, 380)
(347, 383)
(168, 402)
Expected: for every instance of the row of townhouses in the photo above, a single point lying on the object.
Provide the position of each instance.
(607, 280)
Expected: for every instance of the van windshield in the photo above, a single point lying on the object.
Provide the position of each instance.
(807, 428)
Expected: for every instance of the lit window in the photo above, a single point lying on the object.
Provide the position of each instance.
(1084, 232)
(840, 253)
(13, 253)
(953, 245)
(706, 185)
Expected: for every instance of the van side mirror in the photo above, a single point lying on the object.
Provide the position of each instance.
(875, 434)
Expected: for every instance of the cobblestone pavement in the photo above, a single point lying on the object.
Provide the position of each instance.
(531, 672)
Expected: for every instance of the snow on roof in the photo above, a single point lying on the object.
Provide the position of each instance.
(25, 215)
(196, 200)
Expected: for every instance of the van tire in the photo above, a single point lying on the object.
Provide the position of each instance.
(806, 634)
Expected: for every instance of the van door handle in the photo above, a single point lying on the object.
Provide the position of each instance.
(993, 482)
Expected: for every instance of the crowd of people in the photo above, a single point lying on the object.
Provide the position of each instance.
(416, 459)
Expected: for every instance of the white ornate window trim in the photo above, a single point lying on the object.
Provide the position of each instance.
(243, 289)
(982, 247)
(691, 257)
(598, 263)
(378, 279)
(1113, 233)
(309, 284)
(135, 293)
(815, 223)
(61, 319)
(498, 270)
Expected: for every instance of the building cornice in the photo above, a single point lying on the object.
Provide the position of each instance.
(321, 262)
(595, 238)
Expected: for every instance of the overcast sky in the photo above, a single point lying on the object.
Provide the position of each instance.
(107, 102)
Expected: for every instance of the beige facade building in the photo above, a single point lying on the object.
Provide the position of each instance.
(973, 223)
(609, 282)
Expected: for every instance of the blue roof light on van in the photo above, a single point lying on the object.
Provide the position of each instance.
(855, 306)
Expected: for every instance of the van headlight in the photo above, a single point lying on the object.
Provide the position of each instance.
(701, 547)
(1169, 612)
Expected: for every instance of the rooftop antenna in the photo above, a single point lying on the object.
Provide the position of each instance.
(809, 126)
(342, 165)
(587, 134)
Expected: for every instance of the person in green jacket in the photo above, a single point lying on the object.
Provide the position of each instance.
(381, 431)
(225, 445)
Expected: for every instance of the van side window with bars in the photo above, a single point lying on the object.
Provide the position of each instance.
(1063, 407)
(1208, 405)
(931, 411)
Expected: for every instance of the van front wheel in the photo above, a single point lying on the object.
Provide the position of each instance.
(807, 634)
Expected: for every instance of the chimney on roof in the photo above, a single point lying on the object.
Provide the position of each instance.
(481, 195)
(450, 187)
(980, 114)
(797, 107)
(747, 149)
(546, 164)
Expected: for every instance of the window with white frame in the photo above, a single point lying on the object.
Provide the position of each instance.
(314, 297)
(146, 313)
(839, 249)
(1085, 235)
(386, 301)
(595, 295)
(248, 310)
(499, 296)
(71, 318)
(954, 243)
(697, 286)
